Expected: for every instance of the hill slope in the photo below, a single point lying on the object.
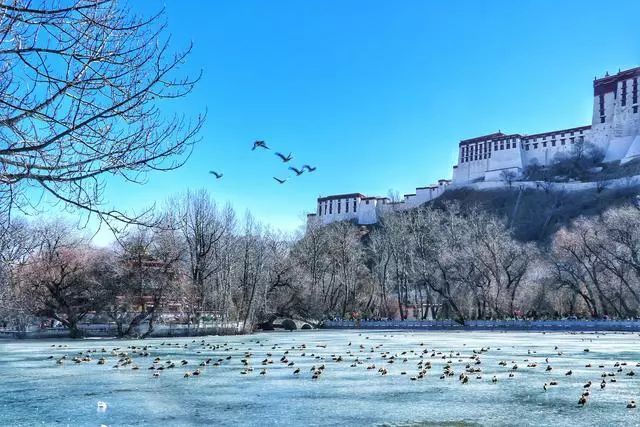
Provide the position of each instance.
(539, 214)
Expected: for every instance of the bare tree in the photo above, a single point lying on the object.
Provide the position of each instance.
(147, 279)
(81, 83)
(16, 243)
(63, 277)
(283, 295)
(580, 267)
(398, 244)
(508, 177)
(380, 255)
(309, 253)
(206, 232)
(252, 258)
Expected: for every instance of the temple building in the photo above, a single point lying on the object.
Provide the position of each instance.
(363, 210)
(615, 127)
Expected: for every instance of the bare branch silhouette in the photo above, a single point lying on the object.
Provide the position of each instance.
(81, 83)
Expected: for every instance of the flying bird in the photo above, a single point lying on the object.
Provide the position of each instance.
(280, 181)
(259, 144)
(297, 171)
(285, 158)
(309, 168)
(216, 174)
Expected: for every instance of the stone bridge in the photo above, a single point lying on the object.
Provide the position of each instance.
(290, 324)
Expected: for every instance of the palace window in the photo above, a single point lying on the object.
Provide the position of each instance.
(572, 139)
(330, 208)
(553, 142)
(319, 209)
(544, 144)
(325, 208)
(635, 108)
(346, 206)
(602, 119)
(581, 138)
(623, 97)
(634, 91)
(513, 145)
(526, 147)
(535, 146)
(339, 205)
(562, 141)
(355, 205)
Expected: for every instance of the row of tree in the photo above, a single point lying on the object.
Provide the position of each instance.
(201, 262)
(462, 263)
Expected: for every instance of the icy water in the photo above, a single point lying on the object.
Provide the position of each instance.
(35, 390)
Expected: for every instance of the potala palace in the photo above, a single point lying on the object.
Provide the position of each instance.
(615, 128)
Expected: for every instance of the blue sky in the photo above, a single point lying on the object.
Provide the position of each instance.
(376, 94)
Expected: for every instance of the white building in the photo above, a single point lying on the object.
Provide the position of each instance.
(363, 210)
(615, 127)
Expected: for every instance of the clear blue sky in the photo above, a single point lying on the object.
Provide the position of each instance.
(377, 94)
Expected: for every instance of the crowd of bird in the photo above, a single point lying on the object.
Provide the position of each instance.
(262, 146)
(416, 364)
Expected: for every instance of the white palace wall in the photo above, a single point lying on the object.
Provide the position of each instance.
(615, 127)
(482, 161)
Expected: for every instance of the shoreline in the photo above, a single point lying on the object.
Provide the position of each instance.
(110, 332)
(490, 325)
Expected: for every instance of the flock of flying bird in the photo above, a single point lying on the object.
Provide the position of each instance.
(466, 367)
(285, 159)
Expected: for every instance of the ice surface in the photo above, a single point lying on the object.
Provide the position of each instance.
(36, 390)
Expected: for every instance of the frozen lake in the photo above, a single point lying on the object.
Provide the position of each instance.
(38, 390)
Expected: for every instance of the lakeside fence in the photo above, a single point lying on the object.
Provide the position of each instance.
(490, 325)
(109, 331)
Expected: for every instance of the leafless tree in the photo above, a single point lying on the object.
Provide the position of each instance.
(16, 243)
(81, 88)
(580, 267)
(380, 256)
(399, 247)
(508, 177)
(147, 265)
(284, 293)
(309, 253)
(63, 276)
(252, 257)
(206, 231)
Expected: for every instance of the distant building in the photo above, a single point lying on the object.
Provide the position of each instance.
(615, 127)
(363, 210)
